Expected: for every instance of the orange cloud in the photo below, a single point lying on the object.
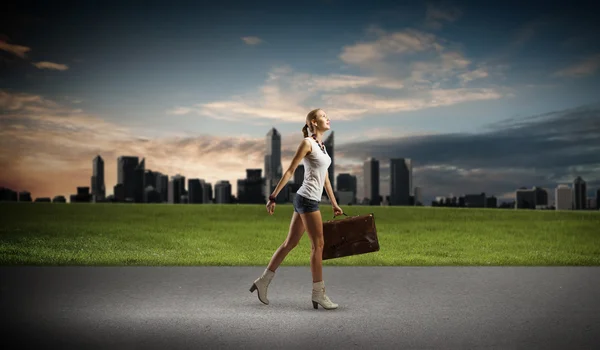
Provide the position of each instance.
(49, 152)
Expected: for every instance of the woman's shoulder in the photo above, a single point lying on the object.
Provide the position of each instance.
(306, 141)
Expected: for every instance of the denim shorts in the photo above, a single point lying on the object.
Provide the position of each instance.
(304, 205)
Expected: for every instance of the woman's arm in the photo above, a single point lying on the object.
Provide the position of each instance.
(303, 149)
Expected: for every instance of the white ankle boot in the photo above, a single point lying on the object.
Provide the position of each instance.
(261, 284)
(319, 297)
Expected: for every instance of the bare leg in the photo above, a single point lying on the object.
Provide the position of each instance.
(294, 235)
(314, 227)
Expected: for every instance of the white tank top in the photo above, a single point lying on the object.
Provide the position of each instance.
(316, 164)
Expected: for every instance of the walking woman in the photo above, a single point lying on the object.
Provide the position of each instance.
(307, 215)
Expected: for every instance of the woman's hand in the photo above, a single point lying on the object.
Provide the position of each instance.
(337, 210)
(270, 207)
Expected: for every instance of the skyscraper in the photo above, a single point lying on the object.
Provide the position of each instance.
(195, 191)
(418, 196)
(563, 198)
(579, 193)
(140, 169)
(126, 166)
(98, 186)
(175, 189)
(223, 192)
(400, 181)
(162, 186)
(273, 169)
(299, 174)
(371, 181)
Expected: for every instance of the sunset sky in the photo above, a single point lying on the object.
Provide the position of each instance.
(483, 97)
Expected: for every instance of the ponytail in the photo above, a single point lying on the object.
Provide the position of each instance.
(305, 130)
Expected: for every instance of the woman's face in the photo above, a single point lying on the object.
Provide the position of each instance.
(322, 121)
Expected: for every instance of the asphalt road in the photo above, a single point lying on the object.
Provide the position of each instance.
(380, 307)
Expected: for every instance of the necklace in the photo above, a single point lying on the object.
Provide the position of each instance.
(321, 145)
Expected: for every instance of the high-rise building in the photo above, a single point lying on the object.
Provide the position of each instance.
(181, 184)
(491, 202)
(126, 170)
(299, 174)
(400, 181)
(475, 200)
(371, 181)
(207, 193)
(418, 196)
(525, 198)
(533, 198)
(223, 192)
(175, 189)
(162, 186)
(347, 183)
(273, 169)
(98, 185)
(150, 178)
(563, 197)
(195, 191)
(579, 193)
(541, 196)
(140, 169)
(253, 187)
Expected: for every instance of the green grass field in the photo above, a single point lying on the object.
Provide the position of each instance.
(161, 234)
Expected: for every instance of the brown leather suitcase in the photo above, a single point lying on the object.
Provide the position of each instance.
(349, 236)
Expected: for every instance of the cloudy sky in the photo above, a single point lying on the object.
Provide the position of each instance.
(482, 97)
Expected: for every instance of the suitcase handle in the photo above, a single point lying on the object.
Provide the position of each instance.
(342, 214)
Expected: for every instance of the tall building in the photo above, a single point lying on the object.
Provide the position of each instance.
(299, 174)
(223, 192)
(346, 183)
(195, 191)
(273, 169)
(491, 202)
(525, 199)
(371, 180)
(400, 181)
(126, 169)
(207, 193)
(418, 196)
(150, 178)
(541, 196)
(140, 169)
(563, 197)
(175, 189)
(162, 186)
(329, 147)
(475, 200)
(251, 189)
(181, 184)
(533, 198)
(98, 185)
(579, 193)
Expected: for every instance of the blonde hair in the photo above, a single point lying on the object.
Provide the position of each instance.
(312, 115)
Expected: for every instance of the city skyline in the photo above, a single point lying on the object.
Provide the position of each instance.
(479, 98)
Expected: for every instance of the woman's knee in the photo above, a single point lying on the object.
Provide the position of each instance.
(317, 244)
(287, 245)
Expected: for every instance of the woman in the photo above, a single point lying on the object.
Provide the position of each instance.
(307, 215)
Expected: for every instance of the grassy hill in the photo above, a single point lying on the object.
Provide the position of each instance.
(162, 234)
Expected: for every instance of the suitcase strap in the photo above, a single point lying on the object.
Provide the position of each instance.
(342, 214)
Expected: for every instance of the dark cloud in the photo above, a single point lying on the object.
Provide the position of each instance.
(540, 150)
